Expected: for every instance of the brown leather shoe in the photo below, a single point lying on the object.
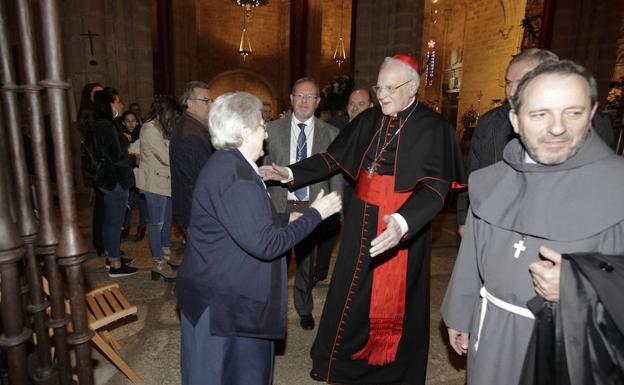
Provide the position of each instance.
(162, 269)
(175, 260)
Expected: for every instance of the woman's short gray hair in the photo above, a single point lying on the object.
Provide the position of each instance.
(229, 114)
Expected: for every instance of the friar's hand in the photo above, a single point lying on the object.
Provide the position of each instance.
(389, 238)
(273, 172)
(459, 341)
(545, 274)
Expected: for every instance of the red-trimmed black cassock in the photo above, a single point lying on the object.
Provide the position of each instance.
(375, 323)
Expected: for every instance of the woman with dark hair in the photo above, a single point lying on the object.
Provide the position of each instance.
(130, 132)
(154, 179)
(87, 107)
(113, 178)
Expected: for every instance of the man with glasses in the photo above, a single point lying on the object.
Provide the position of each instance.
(189, 149)
(291, 139)
(404, 158)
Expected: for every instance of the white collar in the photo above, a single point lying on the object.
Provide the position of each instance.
(528, 159)
(251, 162)
(308, 122)
(408, 106)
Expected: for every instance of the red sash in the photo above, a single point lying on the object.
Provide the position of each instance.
(387, 306)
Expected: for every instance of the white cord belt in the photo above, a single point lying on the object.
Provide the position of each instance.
(487, 297)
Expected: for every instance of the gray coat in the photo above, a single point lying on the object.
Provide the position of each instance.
(278, 152)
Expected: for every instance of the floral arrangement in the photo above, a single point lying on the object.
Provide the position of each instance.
(614, 95)
(336, 92)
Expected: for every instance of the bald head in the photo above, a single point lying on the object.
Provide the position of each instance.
(359, 100)
(523, 63)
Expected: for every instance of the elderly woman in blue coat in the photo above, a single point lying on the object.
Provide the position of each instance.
(231, 286)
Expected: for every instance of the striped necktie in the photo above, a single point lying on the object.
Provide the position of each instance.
(302, 153)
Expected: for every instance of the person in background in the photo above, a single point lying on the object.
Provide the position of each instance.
(86, 111)
(189, 150)
(113, 178)
(360, 99)
(290, 139)
(267, 112)
(231, 286)
(131, 133)
(86, 122)
(154, 180)
(136, 110)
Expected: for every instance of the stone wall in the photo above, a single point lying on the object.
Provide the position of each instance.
(384, 28)
(493, 36)
(587, 32)
(474, 42)
(218, 29)
(122, 51)
(207, 35)
(618, 72)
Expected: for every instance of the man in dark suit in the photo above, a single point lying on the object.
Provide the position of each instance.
(291, 139)
(189, 150)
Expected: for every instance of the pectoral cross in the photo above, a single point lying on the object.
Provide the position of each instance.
(371, 170)
(520, 247)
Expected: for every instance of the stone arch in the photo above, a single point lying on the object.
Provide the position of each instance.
(248, 81)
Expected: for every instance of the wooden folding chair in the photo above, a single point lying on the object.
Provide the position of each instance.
(106, 305)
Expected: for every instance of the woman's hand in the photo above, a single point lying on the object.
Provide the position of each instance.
(327, 205)
(294, 216)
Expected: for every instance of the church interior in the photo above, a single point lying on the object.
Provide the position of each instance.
(150, 48)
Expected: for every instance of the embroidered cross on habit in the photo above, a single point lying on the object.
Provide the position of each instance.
(520, 247)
